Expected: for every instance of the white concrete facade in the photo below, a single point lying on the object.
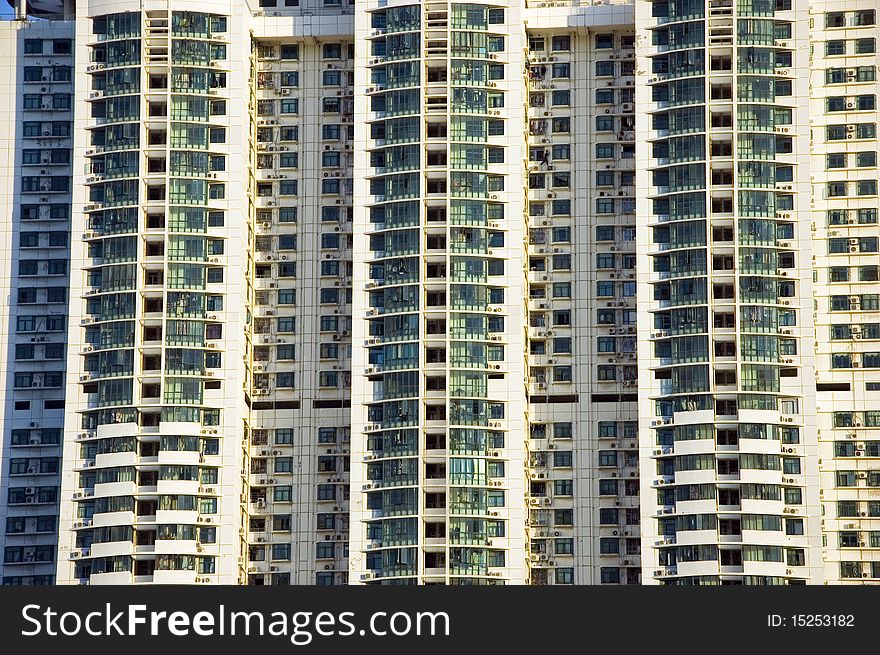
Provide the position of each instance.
(726, 383)
(36, 114)
(843, 121)
(440, 293)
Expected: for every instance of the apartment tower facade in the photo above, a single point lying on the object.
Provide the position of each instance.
(36, 186)
(725, 338)
(461, 293)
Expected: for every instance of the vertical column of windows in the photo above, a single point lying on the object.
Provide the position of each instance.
(39, 235)
(436, 217)
(844, 64)
(153, 307)
(395, 102)
(725, 288)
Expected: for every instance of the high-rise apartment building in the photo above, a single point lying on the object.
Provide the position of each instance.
(493, 427)
(303, 292)
(843, 121)
(211, 434)
(728, 434)
(37, 129)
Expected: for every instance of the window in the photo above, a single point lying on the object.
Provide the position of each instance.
(605, 289)
(605, 260)
(562, 459)
(563, 517)
(794, 526)
(563, 487)
(604, 96)
(865, 46)
(606, 344)
(835, 132)
(562, 290)
(867, 188)
(564, 546)
(326, 492)
(332, 77)
(286, 296)
(604, 68)
(836, 160)
(564, 575)
(291, 106)
(562, 374)
(835, 103)
(561, 235)
(561, 70)
(865, 74)
(836, 189)
(605, 205)
(835, 19)
(280, 551)
(866, 131)
(561, 97)
(791, 465)
(838, 274)
(24, 351)
(560, 43)
(29, 240)
(561, 262)
(290, 51)
(604, 41)
(606, 373)
(865, 17)
(562, 317)
(604, 123)
(835, 47)
(332, 51)
(61, 47)
(560, 125)
(866, 159)
(609, 575)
